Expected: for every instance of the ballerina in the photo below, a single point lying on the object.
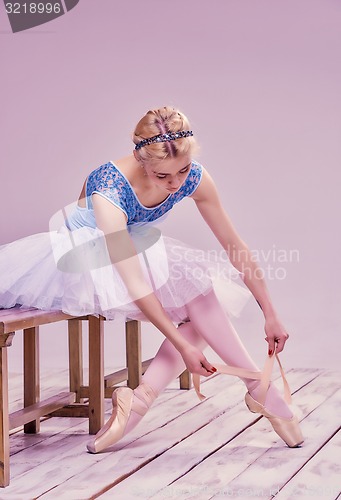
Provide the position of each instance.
(109, 259)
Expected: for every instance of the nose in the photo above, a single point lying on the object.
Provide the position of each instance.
(174, 182)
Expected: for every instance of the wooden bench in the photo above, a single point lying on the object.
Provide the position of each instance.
(80, 400)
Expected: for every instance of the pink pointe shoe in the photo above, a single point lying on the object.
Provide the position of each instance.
(287, 428)
(123, 402)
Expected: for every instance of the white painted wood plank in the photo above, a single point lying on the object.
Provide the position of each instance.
(201, 471)
(49, 386)
(55, 428)
(279, 468)
(127, 460)
(59, 449)
(320, 477)
(51, 382)
(182, 400)
(192, 451)
(58, 427)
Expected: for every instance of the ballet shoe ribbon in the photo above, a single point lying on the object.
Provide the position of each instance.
(227, 370)
(264, 377)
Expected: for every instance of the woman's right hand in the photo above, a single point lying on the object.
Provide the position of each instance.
(196, 362)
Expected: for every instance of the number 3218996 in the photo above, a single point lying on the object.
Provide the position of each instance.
(33, 8)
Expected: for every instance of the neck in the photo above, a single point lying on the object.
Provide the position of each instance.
(135, 172)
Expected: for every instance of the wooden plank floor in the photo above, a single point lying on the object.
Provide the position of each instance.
(185, 449)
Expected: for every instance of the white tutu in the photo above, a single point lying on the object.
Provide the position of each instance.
(71, 271)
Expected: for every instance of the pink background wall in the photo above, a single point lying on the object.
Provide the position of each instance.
(260, 81)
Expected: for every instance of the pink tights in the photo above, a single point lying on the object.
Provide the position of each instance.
(208, 325)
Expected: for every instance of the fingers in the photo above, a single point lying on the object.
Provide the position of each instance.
(280, 345)
(271, 346)
(276, 342)
(196, 362)
(206, 368)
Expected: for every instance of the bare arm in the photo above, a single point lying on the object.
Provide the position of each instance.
(210, 206)
(112, 221)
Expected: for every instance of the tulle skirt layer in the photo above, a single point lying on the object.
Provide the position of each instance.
(71, 271)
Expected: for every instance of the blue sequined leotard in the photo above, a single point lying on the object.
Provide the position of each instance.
(69, 269)
(108, 181)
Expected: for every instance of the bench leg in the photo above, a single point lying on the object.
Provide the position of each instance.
(4, 422)
(185, 380)
(31, 375)
(133, 353)
(96, 374)
(75, 357)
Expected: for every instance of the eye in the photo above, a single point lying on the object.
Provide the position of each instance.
(163, 176)
(184, 170)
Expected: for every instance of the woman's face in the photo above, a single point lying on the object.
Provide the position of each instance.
(169, 174)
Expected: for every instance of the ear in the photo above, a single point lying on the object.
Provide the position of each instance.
(136, 155)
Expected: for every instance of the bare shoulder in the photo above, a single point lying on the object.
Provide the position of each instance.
(127, 165)
(207, 189)
(211, 208)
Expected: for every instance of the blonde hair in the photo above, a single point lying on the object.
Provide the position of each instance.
(162, 121)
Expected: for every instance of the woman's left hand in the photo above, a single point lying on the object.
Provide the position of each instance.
(275, 334)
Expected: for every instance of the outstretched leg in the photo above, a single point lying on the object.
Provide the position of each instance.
(130, 406)
(212, 323)
(166, 366)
